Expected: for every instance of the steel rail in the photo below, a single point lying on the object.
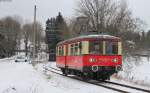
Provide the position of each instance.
(128, 86)
(114, 89)
(123, 85)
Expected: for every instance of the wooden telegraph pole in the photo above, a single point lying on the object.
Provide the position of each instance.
(34, 36)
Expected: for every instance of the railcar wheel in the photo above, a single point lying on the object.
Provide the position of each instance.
(85, 76)
(95, 76)
(103, 78)
(64, 71)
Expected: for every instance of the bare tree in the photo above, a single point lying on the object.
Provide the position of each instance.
(10, 28)
(39, 35)
(27, 31)
(107, 16)
(96, 11)
(111, 17)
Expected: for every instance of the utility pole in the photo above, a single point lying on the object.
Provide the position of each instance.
(34, 36)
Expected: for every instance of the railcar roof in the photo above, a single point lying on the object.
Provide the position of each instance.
(91, 37)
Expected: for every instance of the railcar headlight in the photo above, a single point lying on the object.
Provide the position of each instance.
(115, 60)
(92, 60)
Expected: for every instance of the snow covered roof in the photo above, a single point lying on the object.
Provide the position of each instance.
(98, 36)
(109, 37)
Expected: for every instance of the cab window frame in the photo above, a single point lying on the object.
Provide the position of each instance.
(96, 47)
(111, 47)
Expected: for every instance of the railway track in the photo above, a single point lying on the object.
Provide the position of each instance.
(140, 89)
(122, 88)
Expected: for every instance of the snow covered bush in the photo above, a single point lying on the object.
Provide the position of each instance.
(136, 69)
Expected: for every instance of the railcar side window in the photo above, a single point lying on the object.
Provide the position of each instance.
(60, 50)
(80, 48)
(111, 48)
(56, 51)
(72, 49)
(76, 47)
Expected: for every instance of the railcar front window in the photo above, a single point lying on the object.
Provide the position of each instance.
(95, 47)
(111, 48)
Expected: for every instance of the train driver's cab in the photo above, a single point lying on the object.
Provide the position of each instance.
(102, 47)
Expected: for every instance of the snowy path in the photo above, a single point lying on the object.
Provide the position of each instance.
(23, 78)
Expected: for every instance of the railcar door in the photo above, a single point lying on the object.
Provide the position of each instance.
(65, 48)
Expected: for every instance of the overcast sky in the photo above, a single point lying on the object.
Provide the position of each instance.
(50, 8)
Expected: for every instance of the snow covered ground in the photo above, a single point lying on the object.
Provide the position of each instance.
(113, 78)
(137, 70)
(24, 78)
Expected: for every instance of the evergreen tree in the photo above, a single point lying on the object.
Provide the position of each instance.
(62, 26)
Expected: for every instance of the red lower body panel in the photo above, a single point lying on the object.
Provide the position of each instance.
(102, 60)
(61, 61)
(78, 62)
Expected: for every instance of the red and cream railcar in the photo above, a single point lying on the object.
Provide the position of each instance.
(91, 56)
